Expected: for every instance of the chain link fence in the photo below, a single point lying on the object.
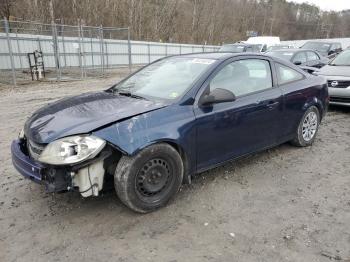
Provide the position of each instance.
(71, 52)
(68, 52)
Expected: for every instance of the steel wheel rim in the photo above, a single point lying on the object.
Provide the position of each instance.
(309, 127)
(153, 178)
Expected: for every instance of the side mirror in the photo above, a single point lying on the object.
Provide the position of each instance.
(218, 95)
(297, 62)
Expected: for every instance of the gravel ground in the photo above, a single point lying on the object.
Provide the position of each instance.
(283, 204)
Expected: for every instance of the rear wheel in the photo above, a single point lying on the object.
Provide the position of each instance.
(308, 127)
(148, 180)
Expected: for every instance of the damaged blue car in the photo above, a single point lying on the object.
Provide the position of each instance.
(176, 117)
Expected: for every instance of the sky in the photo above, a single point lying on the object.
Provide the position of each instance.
(327, 5)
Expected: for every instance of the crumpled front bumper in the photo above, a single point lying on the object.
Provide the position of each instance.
(25, 165)
(55, 179)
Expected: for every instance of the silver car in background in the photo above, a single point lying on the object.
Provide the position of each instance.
(337, 73)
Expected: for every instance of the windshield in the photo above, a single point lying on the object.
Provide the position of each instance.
(167, 79)
(318, 46)
(282, 55)
(232, 48)
(343, 59)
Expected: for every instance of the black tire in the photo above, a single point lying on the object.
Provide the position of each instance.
(299, 139)
(148, 180)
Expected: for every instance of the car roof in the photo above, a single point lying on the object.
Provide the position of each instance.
(323, 42)
(279, 45)
(292, 50)
(241, 43)
(217, 55)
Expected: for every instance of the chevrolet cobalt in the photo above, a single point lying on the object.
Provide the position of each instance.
(176, 117)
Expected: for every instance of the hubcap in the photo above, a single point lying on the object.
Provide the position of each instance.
(309, 126)
(153, 177)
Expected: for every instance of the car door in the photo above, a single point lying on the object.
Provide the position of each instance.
(251, 122)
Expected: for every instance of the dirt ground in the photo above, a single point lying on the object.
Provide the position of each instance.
(284, 204)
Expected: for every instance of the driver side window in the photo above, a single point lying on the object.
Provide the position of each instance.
(243, 77)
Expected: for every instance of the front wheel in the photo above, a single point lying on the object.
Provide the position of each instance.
(148, 180)
(308, 127)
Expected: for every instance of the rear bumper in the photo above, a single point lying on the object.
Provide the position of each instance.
(25, 165)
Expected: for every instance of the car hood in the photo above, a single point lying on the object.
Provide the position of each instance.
(83, 114)
(335, 71)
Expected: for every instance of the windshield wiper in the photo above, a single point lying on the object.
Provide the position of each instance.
(127, 93)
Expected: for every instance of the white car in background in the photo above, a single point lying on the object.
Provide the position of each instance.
(264, 41)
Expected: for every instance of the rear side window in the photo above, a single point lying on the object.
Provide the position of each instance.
(286, 74)
(311, 56)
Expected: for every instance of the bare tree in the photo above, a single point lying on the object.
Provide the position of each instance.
(190, 21)
(5, 8)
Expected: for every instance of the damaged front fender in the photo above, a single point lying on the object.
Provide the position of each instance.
(174, 124)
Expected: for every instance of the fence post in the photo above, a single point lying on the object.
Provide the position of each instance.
(180, 50)
(39, 44)
(82, 42)
(64, 47)
(166, 49)
(19, 50)
(106, 52)
(101, 49)
(129, 49)
(92, 49)
(80, 52)
(10, 52)
(55, 50)
(149, 52)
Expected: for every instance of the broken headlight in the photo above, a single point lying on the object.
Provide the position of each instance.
(71, 150)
